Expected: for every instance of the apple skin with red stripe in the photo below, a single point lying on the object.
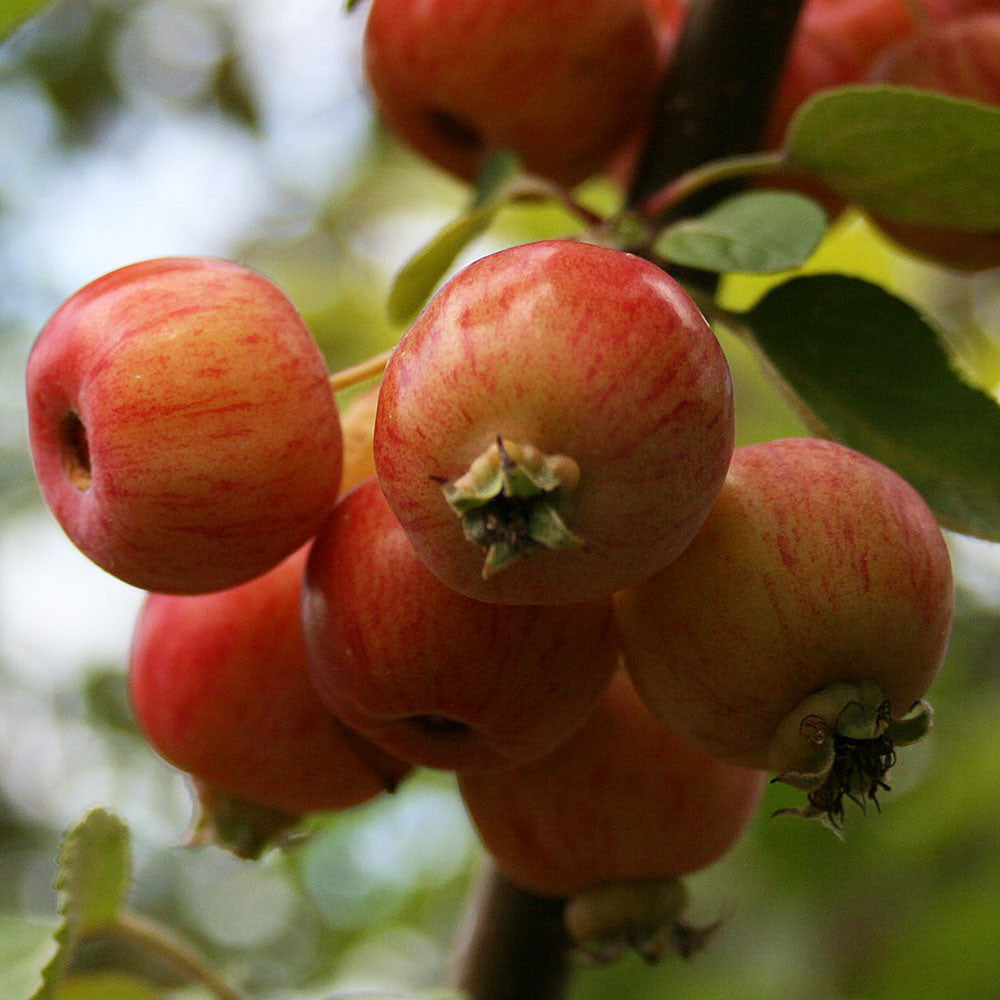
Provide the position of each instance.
(818, 567)
(580, 351)
(183, 427)
(560, 83)
(220, 687)
(433, 677)
(624, 799)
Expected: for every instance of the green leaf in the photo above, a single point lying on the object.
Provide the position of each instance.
(872, 374)
(500, 168)
(106, 986)
(759, 232)
(418, 277)
(349, 5)
(93, 878)
(912, 156)
(13, 12)
(26, 948)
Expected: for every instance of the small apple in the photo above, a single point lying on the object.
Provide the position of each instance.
(431, 676)
(555, 425)
(616, 813)
(561, 83)
(183, 428)
(220, 687)
(801, 626)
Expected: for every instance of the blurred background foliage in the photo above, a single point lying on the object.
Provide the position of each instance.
(241, 129)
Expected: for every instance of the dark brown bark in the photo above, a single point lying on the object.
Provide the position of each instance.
(514, 946)
(717, 96)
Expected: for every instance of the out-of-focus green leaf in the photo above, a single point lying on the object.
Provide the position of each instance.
(106, 986)
(417, 278)
(758, 232)
(912, 156)
(871, 373)
(499, 169)
(26, 948)
(13, 12)
(93, 878)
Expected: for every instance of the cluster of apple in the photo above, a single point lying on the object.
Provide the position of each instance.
(556, 494)
(566, 88)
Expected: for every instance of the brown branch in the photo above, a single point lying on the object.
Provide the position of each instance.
(514, 945)
(717, 96)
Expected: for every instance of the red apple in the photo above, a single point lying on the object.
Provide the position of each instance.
(561, 83)
(613, 812)
(434, 677)
(183, 428)
(563, 408)
(809, 615)
(221, 689)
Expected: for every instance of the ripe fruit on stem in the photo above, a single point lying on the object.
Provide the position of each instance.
(611, 819)
(182, 424)
(221, 689)
(561, 412)
(434, 677)
(560, 83)
(808, 617)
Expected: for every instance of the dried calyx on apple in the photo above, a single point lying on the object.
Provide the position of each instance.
(643, 915)
(512, 501)
(840, 743)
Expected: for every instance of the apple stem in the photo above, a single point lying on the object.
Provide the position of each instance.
(717, 96)
(705, 176)
(347, 377)
(513, 946)
(158, 939)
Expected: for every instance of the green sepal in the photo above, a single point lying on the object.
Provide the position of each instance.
(913, 726)
(509, 502)
(547, 527)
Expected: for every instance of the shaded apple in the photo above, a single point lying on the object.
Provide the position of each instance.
(560, 83)
(433, 677)
(221, 689)
(615, 814)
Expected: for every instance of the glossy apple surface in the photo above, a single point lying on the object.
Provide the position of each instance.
(221, 689)
(624, 799)
(817, 565)
(434, 677)
(580, 351)
(183, 428)
(561, 83)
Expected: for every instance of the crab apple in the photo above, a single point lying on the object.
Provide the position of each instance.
(183, 428)
(220, 688)
(808, 617)
(564, 408)
(560, 83)
(611, 818)
(434, 677)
